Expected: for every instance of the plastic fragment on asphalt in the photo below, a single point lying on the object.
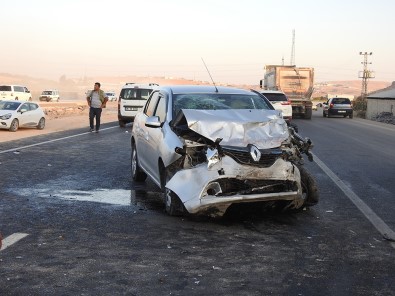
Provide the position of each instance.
(16, 152)
(168, 246)
(49, 164)
(329, 211)
(217, 268)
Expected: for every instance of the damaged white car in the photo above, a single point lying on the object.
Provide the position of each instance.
(209, 147)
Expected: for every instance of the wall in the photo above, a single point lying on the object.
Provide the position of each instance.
(376, 106)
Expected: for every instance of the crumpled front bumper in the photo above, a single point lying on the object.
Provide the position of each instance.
(201, 189)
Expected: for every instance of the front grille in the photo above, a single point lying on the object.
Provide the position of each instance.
(243, 156)
(233, 186)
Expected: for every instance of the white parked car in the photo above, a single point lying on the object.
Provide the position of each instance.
(51, 95)
(132, 99)
(20, 114)
(111, 96)
(280, 102)
(15, 92)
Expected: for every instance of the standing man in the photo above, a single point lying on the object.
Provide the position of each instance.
(97, 100)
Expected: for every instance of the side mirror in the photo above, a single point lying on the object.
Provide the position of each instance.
(153, 122)
(23, 110)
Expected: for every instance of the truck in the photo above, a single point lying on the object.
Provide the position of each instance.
(296, 82)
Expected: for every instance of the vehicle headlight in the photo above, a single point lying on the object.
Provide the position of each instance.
(212, 157)
(6, 116)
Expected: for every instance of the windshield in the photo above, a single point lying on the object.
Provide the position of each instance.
(47, 92)
(341, 101)
(5, 87)
(9, 105)
(217, 102)
(135, 94)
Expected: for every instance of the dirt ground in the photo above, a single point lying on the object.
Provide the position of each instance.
(56, 123)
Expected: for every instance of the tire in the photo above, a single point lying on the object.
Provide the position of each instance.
(323, 114)
(121, 123)
(30, 99)
(137, 174)
(173, 204)
(308, 113)
(309, 188)
(351, 115)
(41, 124)
(14, 125)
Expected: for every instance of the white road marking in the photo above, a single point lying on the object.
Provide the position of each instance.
(12, 239)
(51, 141)
(377, 222)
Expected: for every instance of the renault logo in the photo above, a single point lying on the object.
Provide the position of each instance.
(255, 153)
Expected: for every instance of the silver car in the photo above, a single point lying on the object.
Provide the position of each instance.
(208, 148)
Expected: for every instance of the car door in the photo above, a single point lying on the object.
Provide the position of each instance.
(26, 94)
(143, 137)
(155, 143)
(24, 114)
(35, 114)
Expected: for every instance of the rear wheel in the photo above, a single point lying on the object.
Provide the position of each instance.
(323, 114)
(122, 123)
(308, 113)
(351, 115)
(41, 123)
(137, 174)
(14, 125)
(309, 188)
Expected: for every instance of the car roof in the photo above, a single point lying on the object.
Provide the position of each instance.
(182, 89)
(270, 92)
(140, 85)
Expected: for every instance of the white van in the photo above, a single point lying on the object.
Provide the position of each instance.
(132, 100)
(15, 92)
(51, 95)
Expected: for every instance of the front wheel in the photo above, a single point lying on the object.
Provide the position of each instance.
(41, 123)
(309, 188)
(351, 115)
(173, 204)
(14, 125)
(121, 123)
(137, 174)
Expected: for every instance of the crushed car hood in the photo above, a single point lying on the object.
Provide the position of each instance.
(236, 127)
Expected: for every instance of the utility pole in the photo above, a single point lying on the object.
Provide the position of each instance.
(292, 61)
(365, 74)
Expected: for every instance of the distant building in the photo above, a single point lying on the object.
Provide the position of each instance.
(381, 101)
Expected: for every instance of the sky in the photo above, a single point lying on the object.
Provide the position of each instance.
(236, 39)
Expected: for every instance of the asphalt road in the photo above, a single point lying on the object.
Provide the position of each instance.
(91, 231)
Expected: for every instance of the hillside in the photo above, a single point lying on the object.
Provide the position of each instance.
(74, 88)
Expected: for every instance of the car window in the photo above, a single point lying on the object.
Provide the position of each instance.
(341, 101)
(24, 108)
(25, 89)
(5, 87)
(135, 93)
(161, 108)
(18, 89)
(151, 104)
(217, 102)
(33, 106)
(9, 105)
(275, 97)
